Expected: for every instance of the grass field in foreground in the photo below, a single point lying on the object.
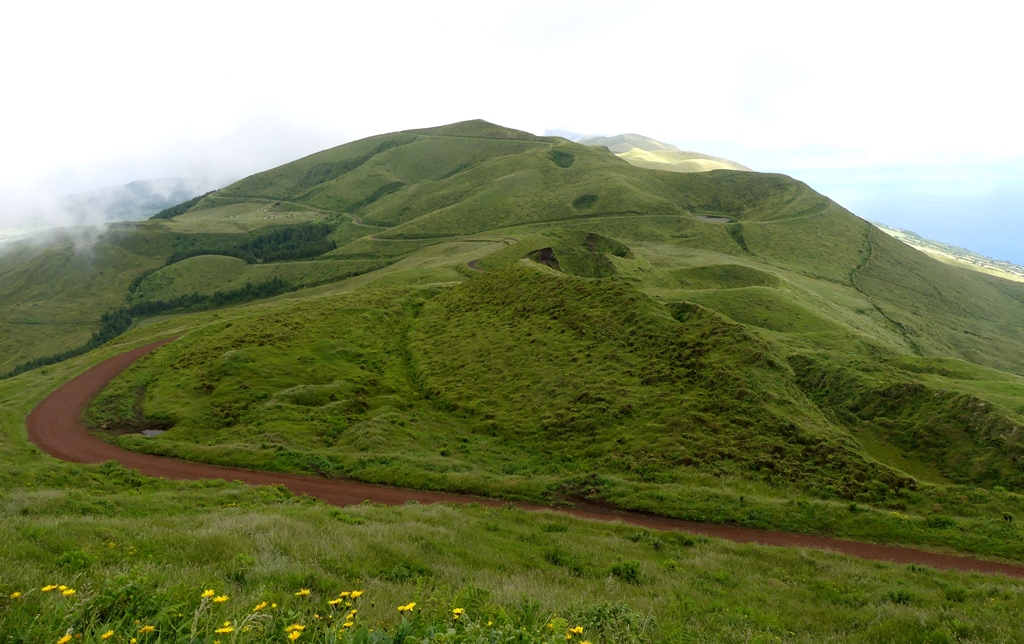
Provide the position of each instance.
(140, 553)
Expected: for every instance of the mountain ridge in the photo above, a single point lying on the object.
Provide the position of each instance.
(645, 152)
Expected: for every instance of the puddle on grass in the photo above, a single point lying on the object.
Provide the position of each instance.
(713, 219)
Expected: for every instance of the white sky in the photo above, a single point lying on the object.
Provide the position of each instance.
(101, 93)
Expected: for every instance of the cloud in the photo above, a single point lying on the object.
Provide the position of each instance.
(84, 217)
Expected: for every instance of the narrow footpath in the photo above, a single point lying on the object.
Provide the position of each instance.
(55, 428)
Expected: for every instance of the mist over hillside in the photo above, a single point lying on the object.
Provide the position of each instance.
(133, 201)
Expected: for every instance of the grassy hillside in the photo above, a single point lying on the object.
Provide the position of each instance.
(472, 308)
(54, 294)
(141, 549)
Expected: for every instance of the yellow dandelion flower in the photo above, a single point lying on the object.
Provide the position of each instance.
(134, 641)
(273, 605)
(294, 635)
(65, 639)
(578, 630)
(407, 608)
(47, 589)
(352, 613)
(147, 629)
(344, 594)
(208, 593)
(294, 627)
(302, 593)
(458, 611)
(107, 635)
(16, 594)
(224, 630)
(334, 602)
(67, 592)
(258, 607)
(355, 594)
(490, 623)
(347, 624)
(220, 599)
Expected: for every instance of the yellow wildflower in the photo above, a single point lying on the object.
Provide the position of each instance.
(134, 641)
(294, 635)
(65, 639)
(273, 605)
(294, 627)
(302, 593)
(107, 635)
(344, 594)
(258, 607)
(577, 630)
(334, 602)
(16, 594)
(147, 629)
(355, 594)
(47, 589)
(347, 624)
(407, 608)
(67, 592)
(457, 612)
(208, 593)
(225, 629)
(220, 599)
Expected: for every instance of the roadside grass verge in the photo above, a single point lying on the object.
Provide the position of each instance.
(144, 557)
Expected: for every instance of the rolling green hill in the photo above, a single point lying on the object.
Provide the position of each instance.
(788, 269)
(474, 308)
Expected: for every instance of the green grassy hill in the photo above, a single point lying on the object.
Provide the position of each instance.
(473, 308)
(789, 269)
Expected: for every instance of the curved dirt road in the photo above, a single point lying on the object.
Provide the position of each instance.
(54, 426)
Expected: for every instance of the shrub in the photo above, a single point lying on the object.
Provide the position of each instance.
(627, 571)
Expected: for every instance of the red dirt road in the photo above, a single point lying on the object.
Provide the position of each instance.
(54, 426)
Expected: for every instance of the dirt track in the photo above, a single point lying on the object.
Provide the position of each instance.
(54, 426)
